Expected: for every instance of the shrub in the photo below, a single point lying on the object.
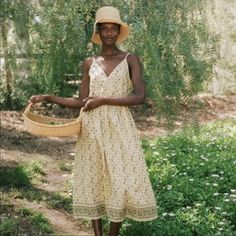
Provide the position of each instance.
(194, 178)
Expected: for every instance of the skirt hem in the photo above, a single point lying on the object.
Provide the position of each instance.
(115, 220)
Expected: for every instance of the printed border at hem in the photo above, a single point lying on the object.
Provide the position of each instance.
(116, 220)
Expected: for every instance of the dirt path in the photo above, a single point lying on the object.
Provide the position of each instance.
(56, 155)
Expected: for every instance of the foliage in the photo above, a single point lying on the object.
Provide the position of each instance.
(14, 19)
(22, 175)
(23, 221)
(194, 178)
(62, 32)
(8, 227)
(176, 49)
(170, 37)
(21, 180)
(14, 177)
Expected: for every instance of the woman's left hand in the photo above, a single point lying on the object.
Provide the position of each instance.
(93, 102)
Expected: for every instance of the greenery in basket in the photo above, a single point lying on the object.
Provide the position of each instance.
(56, 123)
(194, 179)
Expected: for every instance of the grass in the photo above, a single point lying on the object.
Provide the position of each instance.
(21, 175)
(65, 166)
(22, 221)
(193, 173)
(20, 181)
(194, 178)
(9, 226)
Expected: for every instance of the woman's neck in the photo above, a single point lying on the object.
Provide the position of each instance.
(110, 50)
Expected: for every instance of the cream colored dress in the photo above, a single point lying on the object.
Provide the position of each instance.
(110, 176)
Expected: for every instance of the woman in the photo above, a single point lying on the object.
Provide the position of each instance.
(110, 176)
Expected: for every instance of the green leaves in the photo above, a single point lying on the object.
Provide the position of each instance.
(171, 38)
(194, 178)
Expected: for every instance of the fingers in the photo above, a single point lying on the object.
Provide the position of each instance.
(88, 98)
(32, 99)
(87, 106)
(36, 99)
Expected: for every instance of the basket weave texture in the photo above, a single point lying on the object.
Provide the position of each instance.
(49, 126)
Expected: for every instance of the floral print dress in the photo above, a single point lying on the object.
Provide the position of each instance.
(110, 174)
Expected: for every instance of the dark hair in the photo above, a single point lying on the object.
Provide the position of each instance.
(98, 25)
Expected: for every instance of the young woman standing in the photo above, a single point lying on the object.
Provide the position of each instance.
(110, 176)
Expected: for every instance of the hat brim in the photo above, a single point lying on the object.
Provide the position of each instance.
(124, 30)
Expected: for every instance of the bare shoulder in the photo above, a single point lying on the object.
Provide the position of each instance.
(133, 59)
(87, 63)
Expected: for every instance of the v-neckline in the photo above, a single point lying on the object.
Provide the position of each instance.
(115, 67)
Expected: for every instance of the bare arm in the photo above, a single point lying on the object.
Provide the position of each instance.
(70, 102)
(139, 89)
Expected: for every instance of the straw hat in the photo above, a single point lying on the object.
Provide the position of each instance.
(110, 14)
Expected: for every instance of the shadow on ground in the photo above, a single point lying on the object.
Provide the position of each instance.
(25, 142)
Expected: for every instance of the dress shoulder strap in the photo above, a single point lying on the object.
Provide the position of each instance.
(127, 54)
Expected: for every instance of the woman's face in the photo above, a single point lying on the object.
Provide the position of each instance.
(108, 32)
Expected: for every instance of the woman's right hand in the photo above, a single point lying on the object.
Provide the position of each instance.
(38, 98)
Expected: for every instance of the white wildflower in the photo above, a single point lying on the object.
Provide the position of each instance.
(171, 214)
(215, 176)
(169, 187)
(204, 158)
(215, 194)
(37, 20)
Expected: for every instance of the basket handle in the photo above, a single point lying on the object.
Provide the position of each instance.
(80, 114)
(27, 109)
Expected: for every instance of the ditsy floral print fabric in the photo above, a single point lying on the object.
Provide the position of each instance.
(110, 175)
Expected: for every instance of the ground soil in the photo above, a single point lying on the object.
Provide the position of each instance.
(18, 146)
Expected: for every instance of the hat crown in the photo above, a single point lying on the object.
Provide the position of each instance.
(107, 12)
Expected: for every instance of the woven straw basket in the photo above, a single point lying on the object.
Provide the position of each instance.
(48, 126)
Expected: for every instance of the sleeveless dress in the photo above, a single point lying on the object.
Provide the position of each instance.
(110, 174)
